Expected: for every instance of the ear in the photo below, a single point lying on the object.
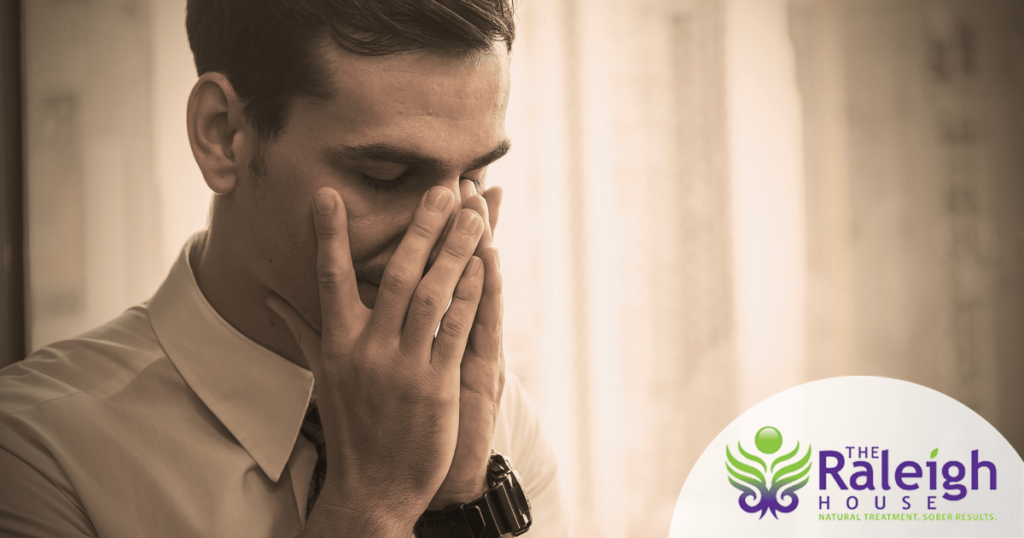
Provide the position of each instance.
(217, 131)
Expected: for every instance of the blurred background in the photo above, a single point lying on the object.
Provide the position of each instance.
(709, 201)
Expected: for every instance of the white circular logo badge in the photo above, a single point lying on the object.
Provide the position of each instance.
(855, 456)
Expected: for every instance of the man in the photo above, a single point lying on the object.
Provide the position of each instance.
(347, 286)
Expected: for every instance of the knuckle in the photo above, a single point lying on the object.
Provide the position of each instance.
(327, 274)
(446, 399)
(326, 231)
(421, 230)
(398, 277)
(377, 345)
(483, 326)
(456, 247)
(476, 391)
(453, 327)
(465, 291)
(431, 300)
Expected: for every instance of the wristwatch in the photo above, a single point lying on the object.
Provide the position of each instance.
(503, 509)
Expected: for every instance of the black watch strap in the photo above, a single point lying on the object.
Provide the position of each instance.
(503, 509)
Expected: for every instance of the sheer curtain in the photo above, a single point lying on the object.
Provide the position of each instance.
(708, 201)
(616, 245)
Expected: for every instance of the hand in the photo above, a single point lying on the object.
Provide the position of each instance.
(388, 391)
(483, 368)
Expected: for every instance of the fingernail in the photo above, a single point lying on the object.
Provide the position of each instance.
(437, 199)
(476, 265)
(469, 223)
(324, 203)
(497, 258)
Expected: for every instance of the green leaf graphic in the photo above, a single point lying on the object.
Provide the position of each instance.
(801, 484)
(781, 459)
(743, 467)
(935, 453)
(781, 479)
(751, 457)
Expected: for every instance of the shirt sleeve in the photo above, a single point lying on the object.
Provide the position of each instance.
(533, 458)
(34, 499)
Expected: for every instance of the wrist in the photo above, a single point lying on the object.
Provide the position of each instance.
(457, 494)
(352, 512)
(335, 521)
(466, 480)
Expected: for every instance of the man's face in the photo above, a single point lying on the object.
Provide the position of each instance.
(395, 126)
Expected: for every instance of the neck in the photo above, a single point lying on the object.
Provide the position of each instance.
(238, 295)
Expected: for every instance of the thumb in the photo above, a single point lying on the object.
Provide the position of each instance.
(307, 338)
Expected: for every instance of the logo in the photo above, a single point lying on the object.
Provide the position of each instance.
(767, 487)
(889, 458)
(880, 475)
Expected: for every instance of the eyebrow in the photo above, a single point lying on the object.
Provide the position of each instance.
(390, 153)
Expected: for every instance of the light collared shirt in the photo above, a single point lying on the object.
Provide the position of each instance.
(168, 422)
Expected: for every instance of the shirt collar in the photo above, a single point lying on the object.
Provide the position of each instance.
(259, 396)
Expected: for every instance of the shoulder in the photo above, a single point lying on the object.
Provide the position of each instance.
(69, 393)
(97, 364)
(58, 412)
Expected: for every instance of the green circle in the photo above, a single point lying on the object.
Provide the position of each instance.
(768, 440)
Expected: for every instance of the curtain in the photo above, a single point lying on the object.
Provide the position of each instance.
(616, 245)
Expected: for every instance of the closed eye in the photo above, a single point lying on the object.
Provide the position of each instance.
(384, 185)
(393, 185)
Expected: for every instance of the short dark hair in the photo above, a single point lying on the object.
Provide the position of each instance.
(266, 48)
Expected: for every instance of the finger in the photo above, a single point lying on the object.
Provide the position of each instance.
(493, 197)
(486, 336)
(483, 366)
(440, 241)
(479, 403)
(307, 338)
(434, 291)
(477, 203)
(453, 332)
(339, 297)
(482, 380)
(405, 269)
(467, 189)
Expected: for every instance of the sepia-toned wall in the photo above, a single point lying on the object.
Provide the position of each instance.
(93, 236)
(915, 206)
